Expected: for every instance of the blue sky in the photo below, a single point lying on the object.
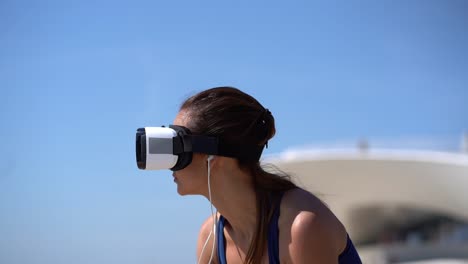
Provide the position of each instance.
(78, 78)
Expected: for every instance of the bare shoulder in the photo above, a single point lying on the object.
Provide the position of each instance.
(309, 231)
(203, 241)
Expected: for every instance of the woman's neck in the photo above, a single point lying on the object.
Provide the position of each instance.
(234, 196)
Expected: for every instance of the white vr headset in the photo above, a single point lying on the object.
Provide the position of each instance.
(172, 148)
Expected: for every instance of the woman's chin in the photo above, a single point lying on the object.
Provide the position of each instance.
(184, 191)
(181, 190)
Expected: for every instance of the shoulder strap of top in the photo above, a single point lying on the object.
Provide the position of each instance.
(273, 235)
(221, 241)
(350, 254)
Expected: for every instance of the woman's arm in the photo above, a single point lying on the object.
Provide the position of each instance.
(310, 241)
(311, 232)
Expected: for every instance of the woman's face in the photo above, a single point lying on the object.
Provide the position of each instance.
(193, 178)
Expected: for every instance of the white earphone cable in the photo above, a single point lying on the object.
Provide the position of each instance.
(214, 217)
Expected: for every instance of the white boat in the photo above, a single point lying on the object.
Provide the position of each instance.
(399, 206)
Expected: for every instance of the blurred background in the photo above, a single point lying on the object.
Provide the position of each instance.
(376, 88)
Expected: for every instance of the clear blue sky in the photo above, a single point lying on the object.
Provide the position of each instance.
(77, 79)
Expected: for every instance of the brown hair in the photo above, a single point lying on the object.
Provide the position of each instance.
(237, 117)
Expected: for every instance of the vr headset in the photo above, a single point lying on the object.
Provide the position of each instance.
(172, 148)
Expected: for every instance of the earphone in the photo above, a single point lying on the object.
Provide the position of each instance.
(213, 215)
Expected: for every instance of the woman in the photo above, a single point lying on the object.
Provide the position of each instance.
(263, 217)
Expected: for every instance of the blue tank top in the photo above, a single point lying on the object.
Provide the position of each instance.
(348, 256)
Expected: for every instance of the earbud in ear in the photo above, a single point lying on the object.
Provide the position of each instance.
(210, 158)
